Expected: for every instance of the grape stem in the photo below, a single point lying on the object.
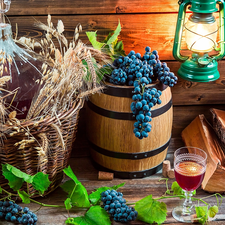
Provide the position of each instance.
(181, 196)
(39, 203)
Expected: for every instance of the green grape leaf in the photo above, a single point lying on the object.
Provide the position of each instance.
(14, 182)
(177, 190)
(115, 35)
(69, 172)
(18, 173)
(107, 37)
(104, 70)
(24, 196)
(168, 192)
(150, 210)
(202, 213)
(92, 36)
(68, 186)
(115, 187)
(213, 211)
(119, 46)
(95, 196)
(76, 221)
(0, 190)
(79, 196)
(28, 178)
(68, 204)
(94, 216)
(41, 182)
(76, 191)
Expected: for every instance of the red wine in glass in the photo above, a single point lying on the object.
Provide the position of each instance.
(189, 167)
(189, 175)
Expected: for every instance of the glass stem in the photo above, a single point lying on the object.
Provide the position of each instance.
(187, 205)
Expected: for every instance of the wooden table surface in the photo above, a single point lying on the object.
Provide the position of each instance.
(133, 190)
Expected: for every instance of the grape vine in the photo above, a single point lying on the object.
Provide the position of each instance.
(101, 205)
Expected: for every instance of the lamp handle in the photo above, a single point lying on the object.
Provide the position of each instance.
(222, 30)
(179, 30)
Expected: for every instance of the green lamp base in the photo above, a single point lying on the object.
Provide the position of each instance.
(202, 69)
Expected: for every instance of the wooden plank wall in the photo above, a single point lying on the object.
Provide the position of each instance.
(144, 23)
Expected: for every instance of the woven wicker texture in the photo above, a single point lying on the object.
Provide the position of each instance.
(54, 136)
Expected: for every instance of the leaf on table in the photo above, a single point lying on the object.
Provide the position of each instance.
(213, 211)
(18, 173)
(115, 187)
(68, 204)
(92, 36)
(77, 221)
(94, 216)
(24, 196)
(14, 182)
(150, 210)
(202, 213)
(68, 186)
(79, 196)
(41, 182)
(77, 193)
(95, 196)
(69, 172)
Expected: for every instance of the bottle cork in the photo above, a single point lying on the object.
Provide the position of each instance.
(170, 173)
(105, 175)
(166, 167)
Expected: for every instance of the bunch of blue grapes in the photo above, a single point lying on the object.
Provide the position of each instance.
(118, 76)
(10, 211)
(135, 70)
(115, 204)
(134, 66)
(165, 76)
(143, 100)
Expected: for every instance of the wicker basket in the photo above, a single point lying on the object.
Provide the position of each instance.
(55, 135)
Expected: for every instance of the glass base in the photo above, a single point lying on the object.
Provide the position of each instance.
(180, 215)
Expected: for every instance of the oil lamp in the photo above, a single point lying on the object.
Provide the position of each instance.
(201, 31)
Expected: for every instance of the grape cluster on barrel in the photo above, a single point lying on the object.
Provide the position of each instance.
(135, 70)
(10, 211)
(115, 204)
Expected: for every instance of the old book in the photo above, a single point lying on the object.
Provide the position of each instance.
(199, 133)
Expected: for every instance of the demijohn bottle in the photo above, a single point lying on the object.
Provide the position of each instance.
(21, 65)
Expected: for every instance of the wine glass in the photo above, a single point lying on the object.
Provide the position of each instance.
(189, 168)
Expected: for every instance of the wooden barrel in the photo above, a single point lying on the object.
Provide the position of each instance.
(110, 125)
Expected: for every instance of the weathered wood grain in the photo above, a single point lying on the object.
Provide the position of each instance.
(184, 93)
(138, 31)
(40, 7)
(195, 93)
